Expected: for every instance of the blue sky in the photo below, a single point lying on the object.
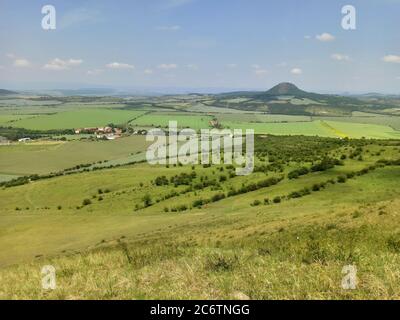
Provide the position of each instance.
(232, 44)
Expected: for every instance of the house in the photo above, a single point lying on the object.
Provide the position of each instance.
(90, 130)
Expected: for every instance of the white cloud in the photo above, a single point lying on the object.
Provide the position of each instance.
(59, 64)
(120, 66)
(1, 67)
(255, 66)
(282, 64)
(325, 37)
(398, 78)
(166, 66)
(296, 71)
(307, 37)
(169, 28)
(340, 57)
(148, 71)
(21, 63)
(95, 72)
(391, 58)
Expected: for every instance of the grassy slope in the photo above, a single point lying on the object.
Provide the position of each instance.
(291, 250)
(295, 249)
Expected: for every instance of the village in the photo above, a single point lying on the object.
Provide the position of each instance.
(106, 133)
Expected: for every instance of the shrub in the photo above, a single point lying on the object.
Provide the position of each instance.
(220, 263)
(161, 181)
(198, 203)
(316, 187)
(393, 243)
(256, 203)
(298, 172)
(217, 197)
(277, 200)
(86, 202)
(147, 200)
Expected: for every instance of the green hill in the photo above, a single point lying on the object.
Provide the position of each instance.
(144, 232)
(286, 98)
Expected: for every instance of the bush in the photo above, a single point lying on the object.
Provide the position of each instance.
(217, 197)
(161, 181)
(86, 202)
(198, 203)
(277, 200)
(147, 200)
(220, 263)
(341, 179)
(256, 203)
(298, 172)
(316, 187)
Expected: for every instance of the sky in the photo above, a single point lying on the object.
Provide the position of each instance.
(212, 44)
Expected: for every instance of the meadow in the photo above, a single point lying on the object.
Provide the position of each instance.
(52, 156)
(81, 118)
(322, 128)
(320, 197)
(128, 232)
(185, 120)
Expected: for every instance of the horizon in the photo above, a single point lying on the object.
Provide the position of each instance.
(121, 90)
(179, 45)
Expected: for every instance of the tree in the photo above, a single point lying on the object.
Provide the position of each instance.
(146, 200)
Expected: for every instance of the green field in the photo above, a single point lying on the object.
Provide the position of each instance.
(116, 246)
(184, 120)
(318, 128)
(46, 157)
(78, 119)
(115, 227)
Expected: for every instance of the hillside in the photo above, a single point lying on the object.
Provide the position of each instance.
(284, 232)
(287, 98)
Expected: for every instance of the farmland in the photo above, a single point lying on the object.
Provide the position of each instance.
(43, 158)
(323, 194)
(218, 243)
(193, 121)
(77, 119)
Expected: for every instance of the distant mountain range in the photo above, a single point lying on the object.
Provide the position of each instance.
(4, 92)
(286, 98)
